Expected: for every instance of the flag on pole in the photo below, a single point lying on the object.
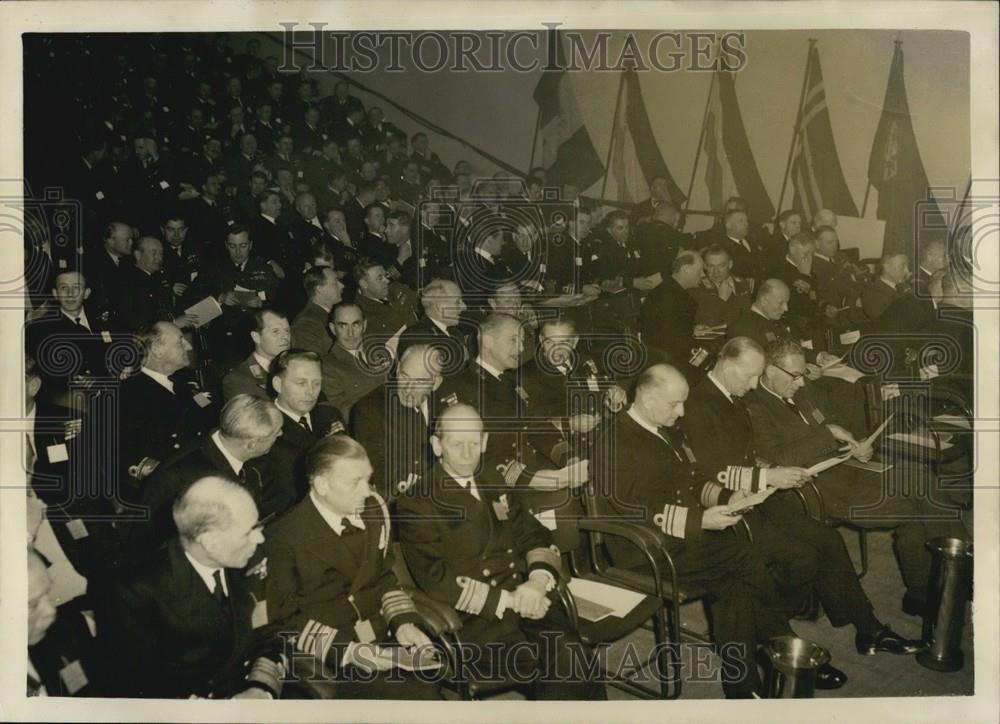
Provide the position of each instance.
(635, 157)
(731, 169)
(895, 168)
(567, 151)
(817, 177)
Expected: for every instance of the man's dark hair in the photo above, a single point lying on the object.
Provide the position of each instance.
(281, 363)
(258, 317)
(314, 278)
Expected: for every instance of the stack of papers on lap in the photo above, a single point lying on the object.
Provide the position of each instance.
(602, 600)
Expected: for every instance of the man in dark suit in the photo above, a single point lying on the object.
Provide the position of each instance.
(248, 427)
(933, 257)
(296, 376)
(182, 261)
(331, 578)
(441, 325)
(209, 215)
(750, 257)
(659, 194)
(789, 223)
(241, 284)
(160, 410)
(880, 293)
(838, 281)
(310, 329)
(805, 314)
(272, 241)
(106, 269)
(792, 425)
(470, 544)
(271, 335)
(147, 295)
(721, 297)
(388, 306)
(644, 467)
(667, 316)
(187, 622)
(393, 422)
(75, 322)
(352, 368)
(523, 441)
(659, 240)
(806, 553)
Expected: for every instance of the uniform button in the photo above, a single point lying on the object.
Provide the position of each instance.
(173, 434)
(486, 571)
(510, 550)
(493, 582)
(177, 445)
(510, 565)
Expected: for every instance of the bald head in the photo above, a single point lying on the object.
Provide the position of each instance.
(459, 440)
(933, 256)
(418, 374)
(772, 298)
(660, 394)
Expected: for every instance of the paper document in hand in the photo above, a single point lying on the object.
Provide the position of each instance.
(834, 363)
(751, 500)
(878, 431)
(826, 465)
(844, 372)
(621, 601)
(420, 658)
(204, 311)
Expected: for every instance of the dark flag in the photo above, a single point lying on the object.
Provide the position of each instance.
(731, 169)
(895, 168)
(636, 159)
(816, 174)
(567, 151)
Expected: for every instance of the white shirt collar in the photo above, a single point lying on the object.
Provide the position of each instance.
(756, 310)
(265, 364)
(160, 378)
(270, 218)
(295, 418)
(483, 253)
(887, 283)
(824, 258)
(467, 484)
(488, 367)
(439, 325)
(642, 423)
(720, 386)
(207, 574)
(772, 392)
(336, 522)
(236, 465)
(930, 274)
(82, 316)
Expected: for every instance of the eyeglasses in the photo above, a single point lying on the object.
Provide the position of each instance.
(263, 521)
(795, 376)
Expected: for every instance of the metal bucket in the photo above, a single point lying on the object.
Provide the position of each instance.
(794, 664)
(949, 590)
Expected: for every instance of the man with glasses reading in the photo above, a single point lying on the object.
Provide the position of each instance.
(793, 425)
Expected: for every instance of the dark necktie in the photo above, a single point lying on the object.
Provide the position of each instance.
(348, 527)
(304, 421)
(219, 592)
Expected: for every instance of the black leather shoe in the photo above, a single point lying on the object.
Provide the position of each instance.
(913, 605)
(888, 641)
(830, 677)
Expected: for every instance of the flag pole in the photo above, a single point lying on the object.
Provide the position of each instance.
(797, 131)
(701, 140)
(534, 141)
(614, 127)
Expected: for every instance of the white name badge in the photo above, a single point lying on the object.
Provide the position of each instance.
(77, 528)
(164, 185)
(203, 399)
(57, 453)
(106, 336)
(99, 195)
